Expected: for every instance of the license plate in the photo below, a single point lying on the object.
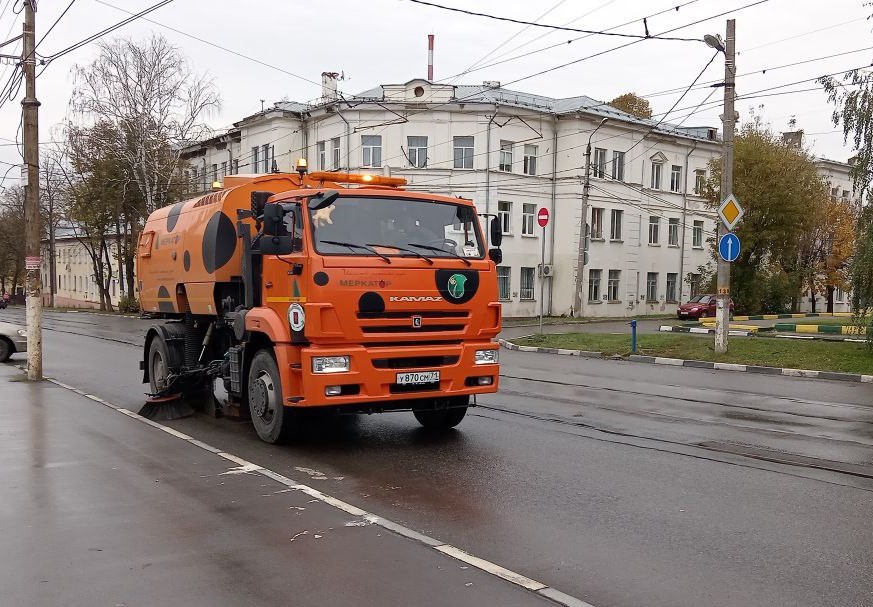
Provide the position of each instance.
(418, 377)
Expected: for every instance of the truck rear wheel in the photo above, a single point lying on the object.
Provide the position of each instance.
(445, 413)
(272, 420)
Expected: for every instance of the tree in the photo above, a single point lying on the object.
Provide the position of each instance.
(156, 104)
(780, 191)
(632, 104)
(11, 239)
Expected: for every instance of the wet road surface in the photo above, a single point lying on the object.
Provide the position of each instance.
(619, 483)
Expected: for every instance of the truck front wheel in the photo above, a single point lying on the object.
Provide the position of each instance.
(443, 414)
(272, 420)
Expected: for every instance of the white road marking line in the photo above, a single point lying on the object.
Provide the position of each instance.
(490, 567)
(446, 549)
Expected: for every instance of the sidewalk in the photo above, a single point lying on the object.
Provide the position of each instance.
(100, 508)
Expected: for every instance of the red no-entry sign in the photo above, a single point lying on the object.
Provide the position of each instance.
(543, 217)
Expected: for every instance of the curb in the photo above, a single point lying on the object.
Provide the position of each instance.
(799, 315)
(704, 330)
(701, 364)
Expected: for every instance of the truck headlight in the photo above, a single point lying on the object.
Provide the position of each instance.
(330, 364)
(22, 332)
(486, 357)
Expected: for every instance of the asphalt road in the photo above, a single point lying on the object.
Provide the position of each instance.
(619, 483)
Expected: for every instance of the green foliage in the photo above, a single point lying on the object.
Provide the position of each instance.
(779, 189)
(128, 304)
(632, 104)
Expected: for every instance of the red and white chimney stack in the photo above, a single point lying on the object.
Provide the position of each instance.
(430, 57)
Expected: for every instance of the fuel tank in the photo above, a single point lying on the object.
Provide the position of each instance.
(187, 248)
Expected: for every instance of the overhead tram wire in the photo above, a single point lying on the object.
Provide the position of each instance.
(552, 27)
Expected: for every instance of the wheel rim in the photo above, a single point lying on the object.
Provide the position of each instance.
(159, 370)
(262, 397)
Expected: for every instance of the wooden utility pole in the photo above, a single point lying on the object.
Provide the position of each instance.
(32, 227)
(729, 119)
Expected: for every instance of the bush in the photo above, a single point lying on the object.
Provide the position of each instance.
(128, 304)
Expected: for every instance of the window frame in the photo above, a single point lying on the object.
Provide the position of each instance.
(256, 159)
(531, 274)
(699, 181)
(508, 283)
(650, 285)
(529, 165)
(599, 163)
(675, 282)
(618, 163)
(415, 152)
(673, 232)
(613, 284)
(596, 230)
(697, 234)
(467, 152)
(654, 231)
(595, 276)
(265, 161)
(527, 219)
(505, 157)
(336, 152)
(321, 148)
(505, 217)
(676, 179)
(374, 147)
(612, 223)
(657, 170)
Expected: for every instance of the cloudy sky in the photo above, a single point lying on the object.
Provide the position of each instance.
(288, 43)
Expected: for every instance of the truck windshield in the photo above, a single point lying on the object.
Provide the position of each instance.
(362, 225)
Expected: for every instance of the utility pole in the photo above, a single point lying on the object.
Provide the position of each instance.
(722, 310)
(583, 227)
(32, 232)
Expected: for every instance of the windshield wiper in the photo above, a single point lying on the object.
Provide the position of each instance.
(352, 245)
(394, 246)
(427, 247)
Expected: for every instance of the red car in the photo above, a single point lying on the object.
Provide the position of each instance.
(700, 306)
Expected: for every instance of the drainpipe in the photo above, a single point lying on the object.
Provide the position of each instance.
(304, 126)
(554, 209)
(488, 176)
(684, 222)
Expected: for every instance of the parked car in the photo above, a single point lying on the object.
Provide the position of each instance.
(699, 307)
(13, 339)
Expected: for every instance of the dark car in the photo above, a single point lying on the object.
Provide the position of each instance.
(699, 307)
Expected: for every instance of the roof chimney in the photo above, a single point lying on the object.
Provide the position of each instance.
(328, 86)
(430, 57)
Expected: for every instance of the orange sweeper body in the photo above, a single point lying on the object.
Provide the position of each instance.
(329, 291)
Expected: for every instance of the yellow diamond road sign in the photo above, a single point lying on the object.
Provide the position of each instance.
(730, 212)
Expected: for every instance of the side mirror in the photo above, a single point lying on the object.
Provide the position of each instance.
(275, 239)
(323, 199)
(496, 255)
(496, 232)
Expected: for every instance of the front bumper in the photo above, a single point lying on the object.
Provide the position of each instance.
(372, 377)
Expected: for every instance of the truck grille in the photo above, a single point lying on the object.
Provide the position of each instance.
(414, 362)
(409, 314)
(407, 329)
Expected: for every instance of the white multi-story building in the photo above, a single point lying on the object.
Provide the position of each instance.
(512, 153)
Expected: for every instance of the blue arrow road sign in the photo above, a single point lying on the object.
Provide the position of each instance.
(729, 247)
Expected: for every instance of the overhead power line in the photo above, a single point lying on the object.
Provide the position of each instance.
(645, 36)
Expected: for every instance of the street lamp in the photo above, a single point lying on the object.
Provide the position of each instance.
(714, 41)
(580, 260)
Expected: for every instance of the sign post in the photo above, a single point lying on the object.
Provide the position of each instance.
(543, 220)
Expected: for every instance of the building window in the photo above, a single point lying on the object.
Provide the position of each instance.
(699, 181)
(596, 223)
(265, 150)
(618, 166)
(694, 281)
(224, 169)
(335, 151)
(527, 219)
(673, 232)
(463, 152)
(322, 155)
(372, 148)
(839, 295)
(504, 212)
(236, 167)
(417, 151)
(612, 285)
(530, 160)
(505, 156)
(503, 277)
(527, 283)
(652, 286)
(599, 162)
(656, 176)
(676, 178)
(654, 229)
(255, 162)
(697, 235)
(594, 284)
(671, 286)
(214, 172)
(615, 224)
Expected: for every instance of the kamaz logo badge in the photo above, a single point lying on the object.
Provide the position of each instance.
(414, 299)
(416, 322)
